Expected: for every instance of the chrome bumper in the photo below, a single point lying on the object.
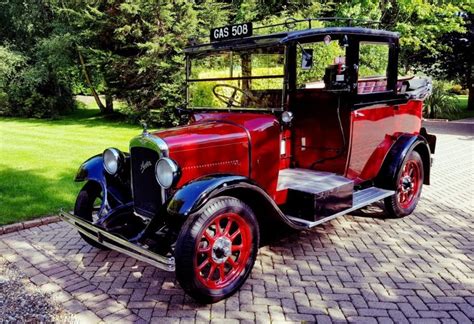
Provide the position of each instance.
(118, 244)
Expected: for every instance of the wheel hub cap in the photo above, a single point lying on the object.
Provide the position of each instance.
(407, 184)
(221, 249)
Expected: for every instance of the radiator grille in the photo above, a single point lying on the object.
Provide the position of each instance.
(146, 190)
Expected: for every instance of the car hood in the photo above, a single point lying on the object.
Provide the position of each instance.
(203, 135)
(224, 143)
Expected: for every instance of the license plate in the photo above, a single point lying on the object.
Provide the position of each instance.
(230, 32)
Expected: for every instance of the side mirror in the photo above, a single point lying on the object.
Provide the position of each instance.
(307, 59)
(344, 42)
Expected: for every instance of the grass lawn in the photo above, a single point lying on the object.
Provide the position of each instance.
(39, 159)
(462, 105)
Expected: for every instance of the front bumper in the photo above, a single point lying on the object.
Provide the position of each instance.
(118, 244)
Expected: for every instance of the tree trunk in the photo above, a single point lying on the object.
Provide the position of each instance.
(109, 103)
(470, 99)
(102, 108)
(470, 84)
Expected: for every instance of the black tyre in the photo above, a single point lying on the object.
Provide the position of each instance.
(87, 201)
(409, 183)
(216, 249)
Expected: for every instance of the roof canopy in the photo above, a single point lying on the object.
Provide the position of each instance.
(286, 37)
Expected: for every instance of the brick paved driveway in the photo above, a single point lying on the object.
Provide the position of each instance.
(358, 268)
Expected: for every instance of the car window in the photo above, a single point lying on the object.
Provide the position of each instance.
(373, 66)
(324, 54)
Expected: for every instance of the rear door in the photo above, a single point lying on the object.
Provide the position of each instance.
(373, 117)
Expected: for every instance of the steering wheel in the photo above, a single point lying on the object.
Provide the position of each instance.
(231, 101)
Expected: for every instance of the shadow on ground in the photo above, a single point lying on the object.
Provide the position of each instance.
(25, 191)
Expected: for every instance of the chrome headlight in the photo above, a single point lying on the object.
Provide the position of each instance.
(112, 159)
(166, 172)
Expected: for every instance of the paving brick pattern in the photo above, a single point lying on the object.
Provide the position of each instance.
(359, 268)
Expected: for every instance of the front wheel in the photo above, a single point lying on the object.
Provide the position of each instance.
(407, 187)
(216, 249)
(87, 204)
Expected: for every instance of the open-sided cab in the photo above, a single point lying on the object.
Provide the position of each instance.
(289, 129)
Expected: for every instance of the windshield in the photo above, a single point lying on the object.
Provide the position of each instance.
(244, 79)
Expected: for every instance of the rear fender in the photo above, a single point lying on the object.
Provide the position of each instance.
(396, 156)
(190, 198)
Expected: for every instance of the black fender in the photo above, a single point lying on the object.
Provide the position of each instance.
(396, 156)
(117, 187)
(92, 169)
(191, 197)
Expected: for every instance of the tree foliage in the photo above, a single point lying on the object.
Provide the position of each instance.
(132, 49)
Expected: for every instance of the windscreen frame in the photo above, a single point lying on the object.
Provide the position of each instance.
(284, 100)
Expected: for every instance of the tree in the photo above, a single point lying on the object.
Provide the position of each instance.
(39, 86)
(455, 61)
(136, 47)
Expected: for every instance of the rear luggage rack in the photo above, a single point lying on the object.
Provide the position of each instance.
(118, 244)
(291, 23)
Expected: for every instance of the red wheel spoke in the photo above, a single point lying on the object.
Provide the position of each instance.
(208, 237)
(207, 249)
(218, 228)
(227, 227)
(406, 168)
(211, 272)
(400, 196)
(221, 272)
(237, 247)
(235, 234)
(203, 264)
(231, 262)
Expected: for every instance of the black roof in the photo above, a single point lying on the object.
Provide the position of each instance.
(285, 37)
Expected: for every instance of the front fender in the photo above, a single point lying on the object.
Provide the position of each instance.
(117, 187)
(91, 169)
(194, 195)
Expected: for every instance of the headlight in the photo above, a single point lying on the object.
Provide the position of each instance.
(112, 159)
(166, 172)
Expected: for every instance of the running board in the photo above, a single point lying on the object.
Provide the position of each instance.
(362, 198)
(118, 244)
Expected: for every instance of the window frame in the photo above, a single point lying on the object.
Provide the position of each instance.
(392, 67)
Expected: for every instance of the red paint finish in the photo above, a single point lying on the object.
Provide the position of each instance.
(317, 138)
(264, 133)
(223, 250)
(285, 159)
(221, 143)
(374, 130)
(207, 148)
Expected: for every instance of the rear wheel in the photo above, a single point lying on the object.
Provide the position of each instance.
(407, 187)
(87, 205)
(216, 249)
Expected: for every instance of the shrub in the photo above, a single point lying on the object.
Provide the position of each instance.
(441, 103)
(30, 88)
(458, 90)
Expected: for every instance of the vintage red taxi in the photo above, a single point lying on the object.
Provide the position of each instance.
(286, 131)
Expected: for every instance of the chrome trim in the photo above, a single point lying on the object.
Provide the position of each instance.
(174, 171)
(151, 141)
(146, 140)
(117, 155)
(139, 253)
